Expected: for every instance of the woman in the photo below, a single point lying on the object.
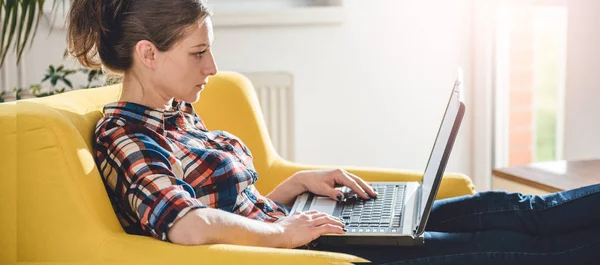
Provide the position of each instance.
(169, 177)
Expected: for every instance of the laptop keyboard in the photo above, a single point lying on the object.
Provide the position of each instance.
(383, 214)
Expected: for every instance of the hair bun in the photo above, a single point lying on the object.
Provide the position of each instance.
(112, 14)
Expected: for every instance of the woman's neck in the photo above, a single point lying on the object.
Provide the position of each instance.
(143, 93)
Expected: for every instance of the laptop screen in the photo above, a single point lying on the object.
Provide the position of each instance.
(439, 155)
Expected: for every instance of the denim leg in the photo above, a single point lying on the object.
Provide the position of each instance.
(537, 215)
(494, 247)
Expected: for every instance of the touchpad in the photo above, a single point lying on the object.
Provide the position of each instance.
(323, 204)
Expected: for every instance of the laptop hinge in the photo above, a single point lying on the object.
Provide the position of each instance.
(417, 215)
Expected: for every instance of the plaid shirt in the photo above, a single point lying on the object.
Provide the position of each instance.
(159, 164)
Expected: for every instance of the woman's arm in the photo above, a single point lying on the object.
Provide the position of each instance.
(213, 226)
(286, 192)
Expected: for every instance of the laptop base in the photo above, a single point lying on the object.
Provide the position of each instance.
(379, 240)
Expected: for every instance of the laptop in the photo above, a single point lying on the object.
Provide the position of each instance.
(399, 214)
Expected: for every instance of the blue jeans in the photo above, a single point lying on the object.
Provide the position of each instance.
(503, 228)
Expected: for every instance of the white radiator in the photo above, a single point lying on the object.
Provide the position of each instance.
(275, 93)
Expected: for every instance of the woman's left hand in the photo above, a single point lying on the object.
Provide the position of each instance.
(324, 182)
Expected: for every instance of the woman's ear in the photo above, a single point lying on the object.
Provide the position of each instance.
(146, 52)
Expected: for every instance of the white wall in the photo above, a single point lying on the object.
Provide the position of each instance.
(582, 95)
(369, 92)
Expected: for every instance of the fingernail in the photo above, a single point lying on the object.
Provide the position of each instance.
(340, 197)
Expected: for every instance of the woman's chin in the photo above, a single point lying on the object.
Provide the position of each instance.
(193, 98)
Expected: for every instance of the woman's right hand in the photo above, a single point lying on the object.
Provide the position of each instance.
(301, 228)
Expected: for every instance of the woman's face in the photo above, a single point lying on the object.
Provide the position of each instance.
(183, 70)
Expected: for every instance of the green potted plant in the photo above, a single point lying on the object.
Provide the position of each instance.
(58, 79)
(35, 89)
(55, 76)
(23, 93)
(17, 92)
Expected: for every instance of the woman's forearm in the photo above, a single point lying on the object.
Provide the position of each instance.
(213, 226)
(286, 191)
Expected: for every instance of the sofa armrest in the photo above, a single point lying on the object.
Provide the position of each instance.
(453, 184)
(146, 250)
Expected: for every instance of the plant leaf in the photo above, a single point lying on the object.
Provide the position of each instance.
(30, 19)
(67, 82)
(37, 22)
(69, 72)
(7, 12)
(24, 9)
(12, 12)
(54, 79)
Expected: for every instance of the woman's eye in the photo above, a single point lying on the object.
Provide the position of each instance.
(199, 54)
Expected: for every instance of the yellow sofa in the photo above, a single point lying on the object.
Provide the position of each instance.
(55, 208)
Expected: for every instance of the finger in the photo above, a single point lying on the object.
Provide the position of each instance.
(335, 218)
(311, 212)
(328, 220)
(321, 215)
(330, 229)
(345, 179)
(336, 194)
(317, 215)
(366, 187)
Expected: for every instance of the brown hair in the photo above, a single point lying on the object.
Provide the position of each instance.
(111, 28)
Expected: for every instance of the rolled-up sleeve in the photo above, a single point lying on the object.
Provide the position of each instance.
(145, 183)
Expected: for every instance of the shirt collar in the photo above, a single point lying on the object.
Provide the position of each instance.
(153, 118)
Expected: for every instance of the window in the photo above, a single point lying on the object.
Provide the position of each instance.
(530, 75)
